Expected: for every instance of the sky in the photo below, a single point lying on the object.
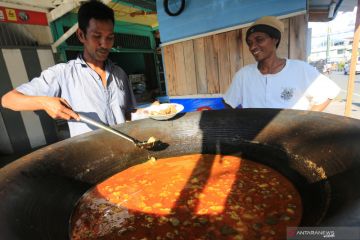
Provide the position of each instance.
(341, 27)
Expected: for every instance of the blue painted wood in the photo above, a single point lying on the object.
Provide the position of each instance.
(202, 16)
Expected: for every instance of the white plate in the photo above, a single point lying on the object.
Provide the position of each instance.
(163, 106)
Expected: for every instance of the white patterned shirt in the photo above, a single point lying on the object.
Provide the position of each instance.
(297, 86)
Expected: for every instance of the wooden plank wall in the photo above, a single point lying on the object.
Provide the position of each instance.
(207, 65)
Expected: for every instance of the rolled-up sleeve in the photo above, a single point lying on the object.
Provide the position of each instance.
(47, 84)
(233, 95)
(321, 89)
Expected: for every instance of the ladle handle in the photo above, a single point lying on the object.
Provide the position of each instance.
(106, 128)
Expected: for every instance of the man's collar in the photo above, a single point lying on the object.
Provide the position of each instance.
(80, 60)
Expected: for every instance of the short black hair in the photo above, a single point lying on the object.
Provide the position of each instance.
(94, 9)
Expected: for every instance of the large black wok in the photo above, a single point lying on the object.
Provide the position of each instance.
(318, 152)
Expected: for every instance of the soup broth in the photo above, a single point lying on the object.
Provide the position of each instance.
(195, 196)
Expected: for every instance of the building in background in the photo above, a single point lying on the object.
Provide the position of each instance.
(331, 42)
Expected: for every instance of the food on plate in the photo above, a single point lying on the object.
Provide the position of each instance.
(190, 197)
(171, 109)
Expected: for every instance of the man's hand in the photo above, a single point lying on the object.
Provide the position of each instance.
(320, 107)
(58, 108)
(140, 113)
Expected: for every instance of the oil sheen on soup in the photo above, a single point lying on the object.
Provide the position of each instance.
(190, 197)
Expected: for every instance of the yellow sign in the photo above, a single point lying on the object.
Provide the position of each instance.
(11, 14)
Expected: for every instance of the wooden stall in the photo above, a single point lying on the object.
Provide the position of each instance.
(206, 65)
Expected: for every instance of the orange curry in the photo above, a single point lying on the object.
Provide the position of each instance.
(190, 197)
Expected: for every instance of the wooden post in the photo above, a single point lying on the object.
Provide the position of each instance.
(354, 57)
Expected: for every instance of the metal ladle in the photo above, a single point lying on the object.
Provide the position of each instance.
(145, 144)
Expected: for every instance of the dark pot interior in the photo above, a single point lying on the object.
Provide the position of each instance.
(318, 152)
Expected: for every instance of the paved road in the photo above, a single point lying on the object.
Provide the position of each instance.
(342, 81)
(338, 105)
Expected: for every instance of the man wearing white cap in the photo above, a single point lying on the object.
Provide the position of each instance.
(275, 82)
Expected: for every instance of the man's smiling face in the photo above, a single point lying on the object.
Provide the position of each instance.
(261, 45)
